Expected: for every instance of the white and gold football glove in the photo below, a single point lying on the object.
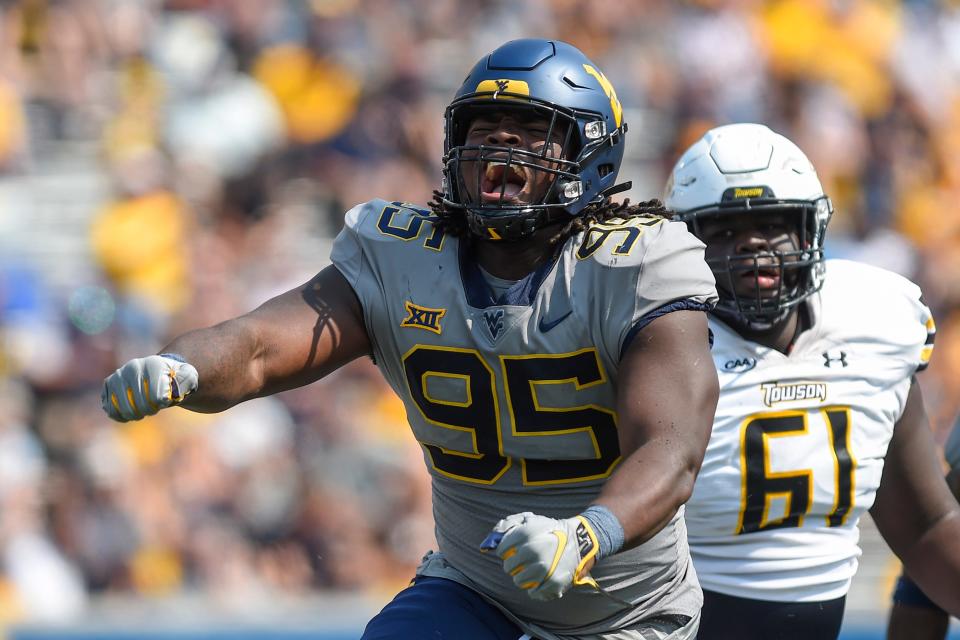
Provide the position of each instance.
(143, 386)
(544, 556)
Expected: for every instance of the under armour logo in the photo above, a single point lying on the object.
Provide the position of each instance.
(837, 356)
(494, 321)
(502, 84)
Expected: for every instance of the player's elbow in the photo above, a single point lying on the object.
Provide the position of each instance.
(689, 459)
(708, 397)
(686, 476)
(701, 420)
(676, 476)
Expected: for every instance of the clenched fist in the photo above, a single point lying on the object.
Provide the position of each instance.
(143, 386)
(544, 556)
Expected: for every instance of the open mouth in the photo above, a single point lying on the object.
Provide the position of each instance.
(502, 178)
(755, 274)
(768, 278)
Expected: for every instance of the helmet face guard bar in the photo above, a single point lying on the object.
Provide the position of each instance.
(500, 219)
(792, 269)
(510, 157)
(800, 271)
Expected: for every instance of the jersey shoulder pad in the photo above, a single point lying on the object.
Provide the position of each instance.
(618, 242)
(654, 257)
(379, 233)
(886, 306)
(382, 221)
(629, 272)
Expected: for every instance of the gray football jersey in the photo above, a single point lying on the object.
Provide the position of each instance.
(513, 399)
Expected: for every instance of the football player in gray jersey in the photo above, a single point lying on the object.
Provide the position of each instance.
(551, 349)
(819, 417)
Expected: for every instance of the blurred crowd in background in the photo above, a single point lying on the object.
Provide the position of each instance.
(221, 142)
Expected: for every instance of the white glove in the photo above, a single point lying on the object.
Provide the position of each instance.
(544, 556)
(143, 386)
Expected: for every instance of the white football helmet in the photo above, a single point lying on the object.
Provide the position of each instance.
(747, 169)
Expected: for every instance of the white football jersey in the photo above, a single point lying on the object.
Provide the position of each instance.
(798, 441)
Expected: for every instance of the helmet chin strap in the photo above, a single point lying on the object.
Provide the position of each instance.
(615, 189)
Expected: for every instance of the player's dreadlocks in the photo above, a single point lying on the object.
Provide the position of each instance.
(607, 210)
(456, 225)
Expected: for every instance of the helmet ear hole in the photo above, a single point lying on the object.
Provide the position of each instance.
(605, 169)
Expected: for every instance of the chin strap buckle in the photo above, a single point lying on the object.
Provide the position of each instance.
(615, 189)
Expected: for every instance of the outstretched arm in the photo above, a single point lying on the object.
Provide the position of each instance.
(289, 341)
(915, 511)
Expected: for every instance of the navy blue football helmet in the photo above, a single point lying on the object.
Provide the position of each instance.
(543, 79)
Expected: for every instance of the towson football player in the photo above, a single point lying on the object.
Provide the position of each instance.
(819, 418)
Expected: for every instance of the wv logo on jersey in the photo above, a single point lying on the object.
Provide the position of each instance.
(774, 392)
(494, 320)
(423, 317)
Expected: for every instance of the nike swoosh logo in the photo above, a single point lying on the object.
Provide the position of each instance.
(546, 325)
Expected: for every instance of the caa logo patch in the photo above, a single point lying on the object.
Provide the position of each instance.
(739, 365)
(423, 317)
